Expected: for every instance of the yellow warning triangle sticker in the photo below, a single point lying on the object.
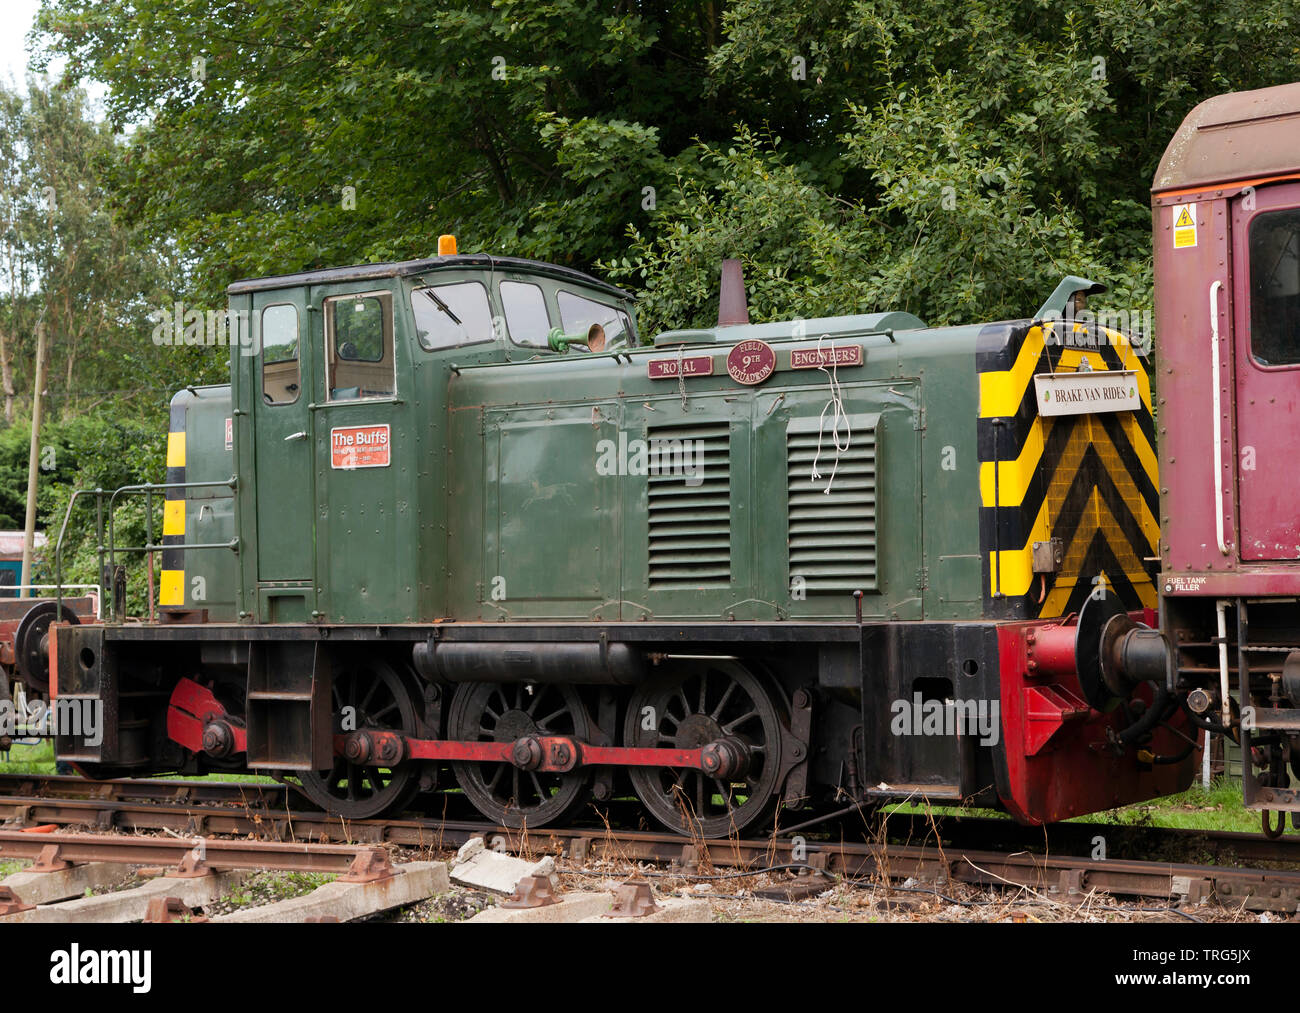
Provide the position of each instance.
(1184, 220)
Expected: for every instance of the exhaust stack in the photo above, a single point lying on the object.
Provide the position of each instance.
(732, 306)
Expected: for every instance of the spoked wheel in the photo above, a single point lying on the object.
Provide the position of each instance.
(703, 702)
(488, 712)
(32, 645)
(380, 700)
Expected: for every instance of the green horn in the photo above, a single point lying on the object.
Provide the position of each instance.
(593, 338)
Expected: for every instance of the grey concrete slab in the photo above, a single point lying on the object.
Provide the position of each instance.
(482, 869)
(131, 905)
(573, 907)
(47, 887)
(671, 909)
(413, 882)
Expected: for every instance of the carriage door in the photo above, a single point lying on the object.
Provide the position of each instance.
(1266, 302)
(283, 457)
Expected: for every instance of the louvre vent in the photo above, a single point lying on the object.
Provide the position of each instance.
(689, 486)
(832, 536)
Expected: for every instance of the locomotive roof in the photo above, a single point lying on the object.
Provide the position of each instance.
(841, 326)
(1239, 136)
(404, 268)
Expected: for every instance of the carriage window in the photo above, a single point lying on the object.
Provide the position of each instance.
(449, 315)
(280, 371)
(1275, 288)
(578, 314)
(526, 315)
(359, 346)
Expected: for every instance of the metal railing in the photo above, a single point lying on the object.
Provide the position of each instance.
(112, 550)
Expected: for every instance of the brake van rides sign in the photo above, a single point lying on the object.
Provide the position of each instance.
(354, 447)
(1087, 393)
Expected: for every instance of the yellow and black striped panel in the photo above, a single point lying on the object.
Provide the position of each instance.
(171, 586)
(1089, 480)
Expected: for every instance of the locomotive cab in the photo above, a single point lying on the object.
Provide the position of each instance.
(338, 419)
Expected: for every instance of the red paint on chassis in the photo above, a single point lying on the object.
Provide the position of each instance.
(191, 708)
(558, 753)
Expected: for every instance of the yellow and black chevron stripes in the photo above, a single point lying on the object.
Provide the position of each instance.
(1089, 480)
(171, 587)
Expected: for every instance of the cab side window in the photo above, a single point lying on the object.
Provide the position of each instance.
(281, 373)
(450, 315)
(359, 346)
(526, 316)
(1275, 288)
(578, 313)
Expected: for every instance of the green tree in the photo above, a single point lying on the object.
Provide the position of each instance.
(70, 265)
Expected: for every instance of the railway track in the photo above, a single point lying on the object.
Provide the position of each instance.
(275, 811)
(978, 851)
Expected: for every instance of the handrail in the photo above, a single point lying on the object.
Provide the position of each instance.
(1218, 423)
(147, 489)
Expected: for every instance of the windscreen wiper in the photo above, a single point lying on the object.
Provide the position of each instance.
(442, 305)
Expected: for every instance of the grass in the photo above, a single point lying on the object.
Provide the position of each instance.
(266, 888)
(38, 759)
(222, 776)
(1217, 808)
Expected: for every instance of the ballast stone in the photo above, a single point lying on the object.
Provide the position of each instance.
(482, 869)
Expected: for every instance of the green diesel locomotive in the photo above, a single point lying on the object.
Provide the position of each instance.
(455, 527)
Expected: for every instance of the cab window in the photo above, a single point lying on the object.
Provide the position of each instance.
(526, 316)
(281, 374)
(359, 346)
(577, 314)
(1275, 288)
(450, 315)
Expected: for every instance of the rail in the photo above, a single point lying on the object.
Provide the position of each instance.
(112, 550)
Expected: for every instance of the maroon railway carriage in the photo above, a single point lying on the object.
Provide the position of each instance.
(1226, 213)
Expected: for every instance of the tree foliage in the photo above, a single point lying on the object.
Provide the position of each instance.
(68, 262)
(70, 265)
(949, 159)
